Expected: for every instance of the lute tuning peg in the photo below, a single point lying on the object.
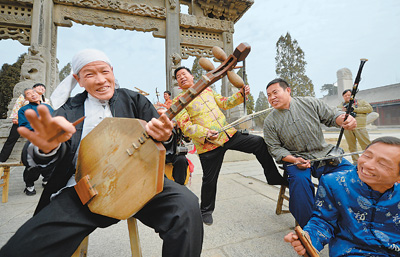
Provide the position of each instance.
(235, 79)
(218, 53)
(206, 64)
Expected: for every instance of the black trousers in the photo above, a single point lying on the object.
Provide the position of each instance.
(9, 144)
(211, 163)
(179, 171)
(31, 174)
(59, 228)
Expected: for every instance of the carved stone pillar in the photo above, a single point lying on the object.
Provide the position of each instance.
(172, 43)
(42, 38)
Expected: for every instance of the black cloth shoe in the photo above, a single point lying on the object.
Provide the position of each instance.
(207, 219)
(30, 191)
(281, 181)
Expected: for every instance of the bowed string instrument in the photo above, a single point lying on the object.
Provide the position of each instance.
(336, 150)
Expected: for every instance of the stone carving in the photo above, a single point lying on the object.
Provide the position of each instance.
(119, 6)
(23, 35)
(187, 21)
(199, 51)
(228, 38)
(172, 4)
(230, 10)
(198, 37)
(32, 70)
(176, 59)
(15, 14)
(108, 19)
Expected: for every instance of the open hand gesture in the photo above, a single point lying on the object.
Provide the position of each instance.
(45, 128)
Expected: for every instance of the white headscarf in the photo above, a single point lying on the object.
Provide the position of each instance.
(62, 92)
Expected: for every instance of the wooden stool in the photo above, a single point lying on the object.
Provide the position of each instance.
(82, 249)
(5, 176)
(282, 195)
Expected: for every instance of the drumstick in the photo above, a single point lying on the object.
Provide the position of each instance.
(62, 131)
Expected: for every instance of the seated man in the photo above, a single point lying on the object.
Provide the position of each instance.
(200, 121)
(31, 174)
(357, 210)
(294, 135)
(61, 221)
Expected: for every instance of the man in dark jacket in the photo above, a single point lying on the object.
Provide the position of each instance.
(63, 222)
(31, 174)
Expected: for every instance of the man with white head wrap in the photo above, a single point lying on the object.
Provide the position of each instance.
(63, 222)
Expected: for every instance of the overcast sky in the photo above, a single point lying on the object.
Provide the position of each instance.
(334, 34)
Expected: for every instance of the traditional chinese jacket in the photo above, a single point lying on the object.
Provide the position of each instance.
(354, 219)
(204, 114)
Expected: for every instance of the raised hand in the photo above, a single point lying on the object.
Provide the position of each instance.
(45, 128)
(349, 124)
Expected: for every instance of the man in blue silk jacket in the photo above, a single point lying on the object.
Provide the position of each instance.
(357, 211)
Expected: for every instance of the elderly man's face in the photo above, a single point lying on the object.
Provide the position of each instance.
(378, 166)
(98, 80)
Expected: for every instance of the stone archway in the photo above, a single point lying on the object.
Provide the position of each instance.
(34, 23)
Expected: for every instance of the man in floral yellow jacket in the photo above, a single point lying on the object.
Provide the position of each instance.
(200, 121)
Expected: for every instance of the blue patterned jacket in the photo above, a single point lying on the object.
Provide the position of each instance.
(354, 219)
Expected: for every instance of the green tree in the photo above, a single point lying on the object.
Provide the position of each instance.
(330, 88)
(250, 98)
(291, 66)
(9, 77)
(65, 72)
(261, 104)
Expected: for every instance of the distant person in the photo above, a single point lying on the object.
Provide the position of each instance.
(357, 210)
(168, 100)
(14, 135)
(41, 90)
(360, 110)
(31, 174)
(293, 134)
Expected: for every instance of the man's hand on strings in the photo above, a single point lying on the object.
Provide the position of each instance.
(303, 164)
(46, 127)
(212, 134)
(293, 239)
(349, 124)
(245, 89)
(160, 129)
